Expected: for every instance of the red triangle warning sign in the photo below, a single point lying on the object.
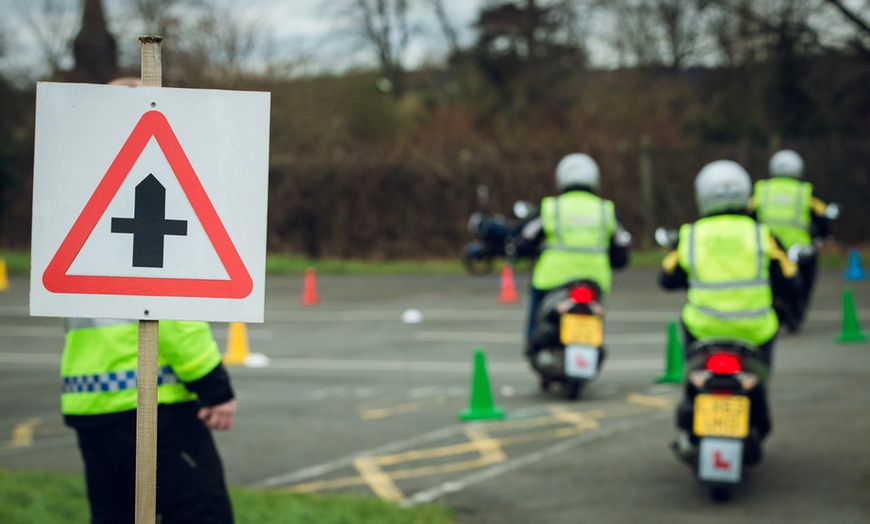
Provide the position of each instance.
(153, 124)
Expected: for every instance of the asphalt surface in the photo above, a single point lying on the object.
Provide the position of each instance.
(353, 400)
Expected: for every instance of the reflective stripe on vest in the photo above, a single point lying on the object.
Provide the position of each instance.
(759, 268)
(758, 280)
(114, 381)
(784, 205)
(100, 358)
(559, 245)
(577, 226)
(770, 199)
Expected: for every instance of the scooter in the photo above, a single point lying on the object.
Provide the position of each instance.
(567, 346)
(804, 256)
(723, 416)
(494, 235)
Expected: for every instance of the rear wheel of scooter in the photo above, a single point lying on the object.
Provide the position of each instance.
(572, 389)
(720, 493)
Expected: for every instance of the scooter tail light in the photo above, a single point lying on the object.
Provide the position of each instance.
(582, 295)
(724, 364)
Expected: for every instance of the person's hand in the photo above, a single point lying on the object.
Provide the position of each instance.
(220, 416)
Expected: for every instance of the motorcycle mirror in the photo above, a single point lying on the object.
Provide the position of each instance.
(832, 211)
(666, 237)
(522, 209)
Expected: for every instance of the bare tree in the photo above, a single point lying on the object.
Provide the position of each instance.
(205, 41)
(446, 26)
(680, 24)
(635, 38)
(222, 42)
(851, 15)
(662, 33)
(383, 27)
(52, 25)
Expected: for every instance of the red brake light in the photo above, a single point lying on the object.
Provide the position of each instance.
(724, 364)
(582, 295)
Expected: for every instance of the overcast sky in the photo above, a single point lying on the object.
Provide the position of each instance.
(297, 27)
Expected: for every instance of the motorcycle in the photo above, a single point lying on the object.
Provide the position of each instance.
(494, 235)
(567, 346)
(804, 256)
(723, 415)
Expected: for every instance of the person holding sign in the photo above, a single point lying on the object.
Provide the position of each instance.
(195, 396)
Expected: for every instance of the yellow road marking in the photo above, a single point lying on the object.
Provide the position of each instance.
(490, 448)
(481, 441)
(380, 483)
(653, 402)
(22, 433)
(401, 409)
(578, 419)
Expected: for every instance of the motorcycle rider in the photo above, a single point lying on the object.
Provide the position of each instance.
(795, 215)
(577, 234)
(732, 268)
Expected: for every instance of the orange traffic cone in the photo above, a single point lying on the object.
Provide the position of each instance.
(508, 293)
(309, 290)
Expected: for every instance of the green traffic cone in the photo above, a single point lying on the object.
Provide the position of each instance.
(481, 396)
(851, 331)
(674, 367)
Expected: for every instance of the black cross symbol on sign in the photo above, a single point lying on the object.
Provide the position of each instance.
(149, 224)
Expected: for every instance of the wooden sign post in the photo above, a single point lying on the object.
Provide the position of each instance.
(146, 395)
(98, 149)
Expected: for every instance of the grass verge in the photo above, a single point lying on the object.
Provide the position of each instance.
(831, 257)
(46, 497)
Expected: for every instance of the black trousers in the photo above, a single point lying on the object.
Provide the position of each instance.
(190, 480)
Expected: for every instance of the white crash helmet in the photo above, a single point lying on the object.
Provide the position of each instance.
(721, 186)
(577, 169)
(786, 163)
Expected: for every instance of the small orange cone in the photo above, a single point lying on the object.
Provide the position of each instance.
(508, 293)
(309, 290)
(238, 350)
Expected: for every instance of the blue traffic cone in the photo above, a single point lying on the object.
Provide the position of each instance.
(855, 271)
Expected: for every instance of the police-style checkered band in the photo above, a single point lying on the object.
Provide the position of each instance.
(113, 381)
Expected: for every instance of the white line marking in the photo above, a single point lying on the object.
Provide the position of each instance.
(626, 339)
(306, 364)
(30, 358)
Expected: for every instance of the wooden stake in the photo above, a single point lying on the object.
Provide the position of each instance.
(149, 331)
(152, 65)
(146, 423)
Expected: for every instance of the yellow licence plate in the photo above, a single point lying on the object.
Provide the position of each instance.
(581, 329)
(721, 416)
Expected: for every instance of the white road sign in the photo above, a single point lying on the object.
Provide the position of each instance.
(149, 203)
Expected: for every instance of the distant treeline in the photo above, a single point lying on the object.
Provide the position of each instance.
(360, 171)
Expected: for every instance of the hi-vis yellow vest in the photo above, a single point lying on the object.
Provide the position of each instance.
(727, 260)
(577, 227)
(100, 359)
(784, 204)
